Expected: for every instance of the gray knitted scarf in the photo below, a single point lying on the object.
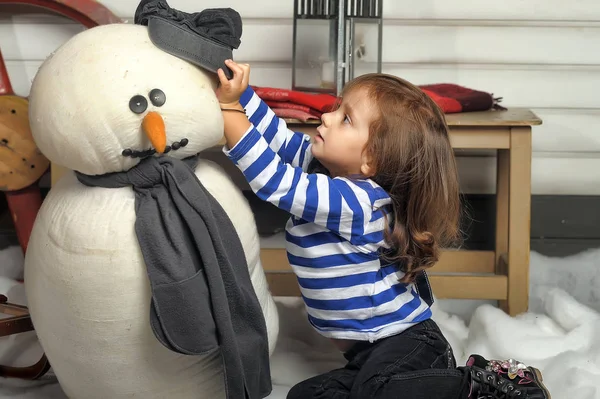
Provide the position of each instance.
(202, 296)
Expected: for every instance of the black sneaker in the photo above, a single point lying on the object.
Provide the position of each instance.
(500, 379)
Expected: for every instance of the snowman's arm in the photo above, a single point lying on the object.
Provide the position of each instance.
(293, 148)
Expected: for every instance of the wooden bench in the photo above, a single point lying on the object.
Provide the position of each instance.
(502, 274)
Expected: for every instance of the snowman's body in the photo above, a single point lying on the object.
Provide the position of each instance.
(86, 282)
(89, 295)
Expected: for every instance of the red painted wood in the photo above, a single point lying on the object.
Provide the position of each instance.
(23, 206)
(5, 86)
(89, 13)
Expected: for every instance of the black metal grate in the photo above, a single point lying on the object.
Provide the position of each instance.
(328, 9)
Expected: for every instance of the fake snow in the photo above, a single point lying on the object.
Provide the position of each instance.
(560, 334)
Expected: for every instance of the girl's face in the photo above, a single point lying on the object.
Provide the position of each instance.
(341, 139)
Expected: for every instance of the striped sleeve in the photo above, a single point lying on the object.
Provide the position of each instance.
(292, 147)
(337, 204)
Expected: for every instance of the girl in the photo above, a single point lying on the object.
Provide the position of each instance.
(362, 232)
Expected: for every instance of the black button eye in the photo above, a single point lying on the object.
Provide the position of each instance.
(138, 104)
(157, 97)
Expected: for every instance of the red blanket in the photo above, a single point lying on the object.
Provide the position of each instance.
(284, 109)
(450, 97)
(291, 113)
(454, 98)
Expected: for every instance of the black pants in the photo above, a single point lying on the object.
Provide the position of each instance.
(416, 364)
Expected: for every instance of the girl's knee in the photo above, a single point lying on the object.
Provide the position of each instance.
(328, 386)
(297, 392)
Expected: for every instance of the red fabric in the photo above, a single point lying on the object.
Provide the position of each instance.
(451, 98)
(317, 101)
(304, 108)
(448, 105)
(294, 114)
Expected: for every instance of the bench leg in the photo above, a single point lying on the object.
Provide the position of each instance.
(519, 221)
(502, 214)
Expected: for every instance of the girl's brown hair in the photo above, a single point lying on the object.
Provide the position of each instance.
(414, 162)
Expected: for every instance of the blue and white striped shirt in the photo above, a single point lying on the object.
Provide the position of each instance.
(335, 235)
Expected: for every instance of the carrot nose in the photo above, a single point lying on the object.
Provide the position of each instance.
(154, 127)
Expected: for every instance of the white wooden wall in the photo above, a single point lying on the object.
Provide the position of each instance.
(541, 54)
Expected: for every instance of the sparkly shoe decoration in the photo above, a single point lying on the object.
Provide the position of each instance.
(504, 379)
(512, 368)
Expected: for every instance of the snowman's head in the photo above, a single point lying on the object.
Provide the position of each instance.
(109, 97)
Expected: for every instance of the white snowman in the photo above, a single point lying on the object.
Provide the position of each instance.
(91, 105)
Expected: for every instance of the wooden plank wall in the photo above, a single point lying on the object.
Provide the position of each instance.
(535, 53)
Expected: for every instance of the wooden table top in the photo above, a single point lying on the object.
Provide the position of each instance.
(510, 117)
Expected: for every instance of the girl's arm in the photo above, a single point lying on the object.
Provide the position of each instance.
(237, 99)
(338, 204)
(292, 147)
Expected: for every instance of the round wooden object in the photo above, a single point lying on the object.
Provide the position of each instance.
(21, 163)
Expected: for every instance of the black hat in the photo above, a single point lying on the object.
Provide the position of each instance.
(205, 38)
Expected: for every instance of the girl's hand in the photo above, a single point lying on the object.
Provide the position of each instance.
(230, 91)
